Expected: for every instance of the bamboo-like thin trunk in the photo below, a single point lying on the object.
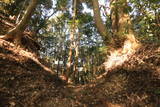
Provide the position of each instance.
(76, 45)
(21, 11)
(72, 34)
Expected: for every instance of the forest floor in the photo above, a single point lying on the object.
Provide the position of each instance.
(26, 82)
(136, 83)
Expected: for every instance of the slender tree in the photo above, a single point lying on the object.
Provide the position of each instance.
(76, 45)
(72, 37)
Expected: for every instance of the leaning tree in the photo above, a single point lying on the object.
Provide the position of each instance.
(16, 33)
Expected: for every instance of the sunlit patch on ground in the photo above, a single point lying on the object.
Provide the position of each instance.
(118, 57)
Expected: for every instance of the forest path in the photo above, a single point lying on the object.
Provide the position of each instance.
(24, 82)
(134, 83)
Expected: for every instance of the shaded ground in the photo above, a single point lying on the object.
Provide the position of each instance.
(24, 79)
(134, 84)
(26, 82)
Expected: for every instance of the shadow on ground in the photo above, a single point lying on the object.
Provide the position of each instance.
(24, 83)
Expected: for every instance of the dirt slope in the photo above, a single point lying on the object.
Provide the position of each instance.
(25, 82)
(24, 79)
(136, 83)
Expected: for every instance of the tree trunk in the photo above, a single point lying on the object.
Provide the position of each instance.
(99, 23)
(72, 34)
(76, 46)
(70, 55)
(21, 11)
(16, 33)
(121, 22)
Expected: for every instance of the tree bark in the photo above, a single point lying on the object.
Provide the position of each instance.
(120, 17)
(76, 46)
(121, 22)
(16, 33)
(72, 37)
(99, 23)
(21, 11)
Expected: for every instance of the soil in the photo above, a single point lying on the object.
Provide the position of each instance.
(26, 82)
(23, 81)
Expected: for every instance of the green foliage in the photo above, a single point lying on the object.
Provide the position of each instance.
(157, 91)
(62, 4)
(146, 20)
(154, 1)
(46, 3)
(86, 22)
(11, 7)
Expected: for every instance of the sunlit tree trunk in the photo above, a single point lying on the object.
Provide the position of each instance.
(99, 23)
(115, 22)
(121, 22)
(72, 34)
(16, 33)
(70, 56)
(76, 45)
(123, 32)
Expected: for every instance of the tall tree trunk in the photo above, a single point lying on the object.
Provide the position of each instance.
(16, 33)
(76, 46)
(99, 23)
(121, 22)
(72, 34)
(115, 16)
(70, 57)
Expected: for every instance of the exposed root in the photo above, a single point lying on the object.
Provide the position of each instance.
(118, 57)
(4, 37)
(24, 53)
